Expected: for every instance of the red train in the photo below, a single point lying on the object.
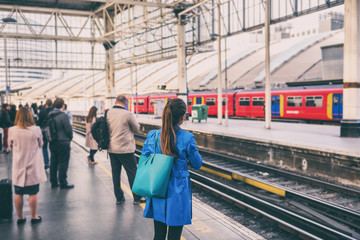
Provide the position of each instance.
(322, 103)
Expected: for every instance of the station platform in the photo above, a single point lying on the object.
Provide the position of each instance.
(89, 211)
(308, 148)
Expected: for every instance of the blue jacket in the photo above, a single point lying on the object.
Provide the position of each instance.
(176, 208)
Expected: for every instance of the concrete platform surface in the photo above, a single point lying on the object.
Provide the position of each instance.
(89, 211)
(311, 136)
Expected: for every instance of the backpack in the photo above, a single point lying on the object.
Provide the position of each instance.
(49, 130)
(100, 133)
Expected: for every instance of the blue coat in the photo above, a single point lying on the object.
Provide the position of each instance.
(176, 208)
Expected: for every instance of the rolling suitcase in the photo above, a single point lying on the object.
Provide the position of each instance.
(6, 202)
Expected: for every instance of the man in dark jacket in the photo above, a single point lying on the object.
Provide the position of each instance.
(60, 148)
(42, 116)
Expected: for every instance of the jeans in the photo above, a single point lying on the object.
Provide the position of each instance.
(161, 230)
(45, 154)
(92, 154)
(60, 156)
(129, 162)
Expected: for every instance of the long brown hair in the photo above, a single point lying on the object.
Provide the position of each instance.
(173, 112)
(91, 114)
(24, 118)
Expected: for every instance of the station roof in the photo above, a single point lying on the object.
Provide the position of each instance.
(85, 5)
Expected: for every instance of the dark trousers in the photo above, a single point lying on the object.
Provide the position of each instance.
(59, 161)
(161, 230)
(129, 162)
(5, 139)
(45, 153)
(92, 154)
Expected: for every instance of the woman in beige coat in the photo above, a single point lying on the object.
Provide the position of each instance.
(89, 141)
(28, 171)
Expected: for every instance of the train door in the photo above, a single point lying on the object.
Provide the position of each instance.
(275, 106)
(337, 106)
(198, 100)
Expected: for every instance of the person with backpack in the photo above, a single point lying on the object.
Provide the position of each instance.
(175, 210)
(90, 119)
(42, 116)
(122, 126)
(28, 171)
(61, 135)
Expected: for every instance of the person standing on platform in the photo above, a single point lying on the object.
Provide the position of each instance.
(28, 171)
(42, 116)
(60, 148)
(5, 123)
(12, 112)
(68, 114)
(175, 210)
(122, 126)
(90, 119)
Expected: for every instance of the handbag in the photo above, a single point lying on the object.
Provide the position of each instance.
(153, 173)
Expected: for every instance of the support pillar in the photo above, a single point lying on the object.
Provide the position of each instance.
(350, 124)
(181, 56)
(267, 67)
(109, 63)
(219, 98)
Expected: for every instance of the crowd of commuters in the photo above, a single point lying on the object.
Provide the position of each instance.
(24, 139)
(170, 214)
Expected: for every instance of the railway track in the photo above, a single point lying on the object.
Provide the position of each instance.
(309, 207)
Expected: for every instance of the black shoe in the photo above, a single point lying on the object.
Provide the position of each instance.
(54, 185)
(67, 186)
(120, 201)
(46, 167)
(140, 200)
(21, 221)
(36, 220)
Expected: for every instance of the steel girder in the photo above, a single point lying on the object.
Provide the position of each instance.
(145, 31)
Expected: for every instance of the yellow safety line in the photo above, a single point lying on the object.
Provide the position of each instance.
(220, 174)
(258, 184)
(79, 126)
(247, 180)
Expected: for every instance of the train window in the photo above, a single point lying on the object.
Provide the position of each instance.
(210, 101)
(277, 101)
(258, 101)
(336, 100)
(224, 102)
(141, 102)
(244, 101)
(189, 101)
(152, 101)
(314, 101)
(294, 101)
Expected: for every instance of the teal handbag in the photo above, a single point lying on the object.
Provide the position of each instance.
(153, 173)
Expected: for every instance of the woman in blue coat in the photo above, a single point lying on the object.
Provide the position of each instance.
(175, 210)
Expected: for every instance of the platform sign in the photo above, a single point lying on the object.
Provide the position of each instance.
(8, 88)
